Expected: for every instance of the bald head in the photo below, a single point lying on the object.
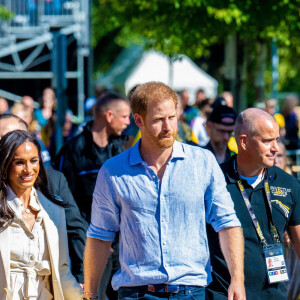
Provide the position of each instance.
(10, 122)
(257, 134)
(249, 120)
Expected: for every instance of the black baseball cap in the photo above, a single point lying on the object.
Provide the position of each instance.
(222, 114)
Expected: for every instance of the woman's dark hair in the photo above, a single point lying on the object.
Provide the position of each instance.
(8, 146)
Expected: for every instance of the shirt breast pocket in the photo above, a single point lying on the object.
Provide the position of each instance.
(138, 198)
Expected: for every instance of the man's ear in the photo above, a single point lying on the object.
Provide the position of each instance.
(208, 127)
(108, 115)
(139, 121)
(243, 141)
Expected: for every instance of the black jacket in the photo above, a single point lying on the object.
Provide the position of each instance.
(228, 153)
(80, 160)
(76, 225)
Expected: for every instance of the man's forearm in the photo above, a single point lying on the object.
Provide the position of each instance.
(232, 245)
(95, 258)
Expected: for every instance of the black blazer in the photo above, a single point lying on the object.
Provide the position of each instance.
(76, 225)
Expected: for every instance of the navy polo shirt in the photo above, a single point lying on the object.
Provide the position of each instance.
(285, 195)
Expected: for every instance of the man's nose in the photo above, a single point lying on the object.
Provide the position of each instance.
(166, 125)
(275, 146)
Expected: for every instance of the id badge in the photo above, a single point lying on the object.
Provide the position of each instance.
(276, 267)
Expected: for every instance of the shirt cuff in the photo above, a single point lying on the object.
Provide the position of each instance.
(99, 233)
(294, 222)
(226, 222)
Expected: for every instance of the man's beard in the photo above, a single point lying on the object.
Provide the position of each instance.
(161, 141)
(220, 146)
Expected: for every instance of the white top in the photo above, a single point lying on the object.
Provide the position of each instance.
(198, 127)
(254, 180)
(29, 255)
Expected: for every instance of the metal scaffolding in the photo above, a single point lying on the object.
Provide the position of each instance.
(33, 26)
(43, 29)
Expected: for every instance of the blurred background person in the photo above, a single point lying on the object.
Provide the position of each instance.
(228, 98)
(188, 110)
(281, 159)
(48, 103)
(198, 123)
(4, 107)
(184, 132)
(33, 229)
(46, 116)
(194, 111)
(219, 128)
(23, 112)
(69, 130)
(28, 102)
(271, 107)
(288, 110)
(200, 96)
(19, 110)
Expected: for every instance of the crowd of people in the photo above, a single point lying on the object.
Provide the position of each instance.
(149, 198)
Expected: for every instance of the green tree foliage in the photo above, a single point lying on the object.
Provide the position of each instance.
(193, 26)
(5, 14)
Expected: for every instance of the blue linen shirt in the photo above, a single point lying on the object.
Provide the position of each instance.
(162, 224)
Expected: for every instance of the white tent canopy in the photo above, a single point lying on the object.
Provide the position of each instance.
(180, 74)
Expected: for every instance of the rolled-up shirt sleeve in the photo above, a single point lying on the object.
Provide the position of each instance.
(105, 219)
(219, 206)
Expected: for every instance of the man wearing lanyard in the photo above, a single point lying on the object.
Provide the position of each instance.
(159, 194)
(266, 201)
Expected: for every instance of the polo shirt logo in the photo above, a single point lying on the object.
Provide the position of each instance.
(283, 207)
(279, 191)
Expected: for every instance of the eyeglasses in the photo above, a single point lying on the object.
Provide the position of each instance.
(222, 131)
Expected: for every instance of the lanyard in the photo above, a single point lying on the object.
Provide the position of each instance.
(251, 211)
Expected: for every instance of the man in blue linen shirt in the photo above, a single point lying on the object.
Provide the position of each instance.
(159, 194)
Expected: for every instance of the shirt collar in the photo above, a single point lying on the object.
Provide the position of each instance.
(136, 158)
(16, 204)
(233, 176)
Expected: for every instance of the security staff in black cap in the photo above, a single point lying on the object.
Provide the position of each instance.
(266, 201)
(219, 128)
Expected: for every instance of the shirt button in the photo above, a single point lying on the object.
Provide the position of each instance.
(163, 220)
(31, 257)
(164, 243)
(38, 219)
(162, 198)
(32, 237)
